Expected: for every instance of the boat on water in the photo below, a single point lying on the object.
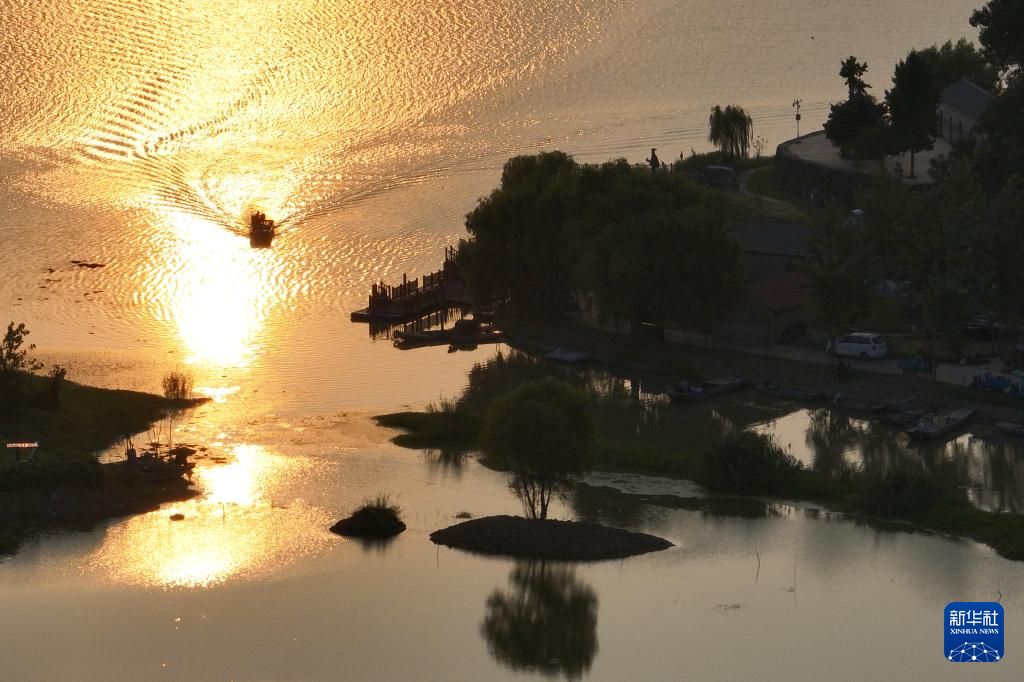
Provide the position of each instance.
(841, 402)
(941, 424)
(1011, 429)
(567, 355)
(466, 333)
(789, 392)
(687, 391)
(261, 230)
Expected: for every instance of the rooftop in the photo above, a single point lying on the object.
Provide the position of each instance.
(782, 293)
(774, 239)
(967, 98)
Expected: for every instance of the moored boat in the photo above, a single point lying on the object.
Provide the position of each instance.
(686, 391)
(841, 402)
(941, 424)
(789, 392)
(1011, 429)
(567, 355)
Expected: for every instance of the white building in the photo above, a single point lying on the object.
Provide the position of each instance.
(962, 105)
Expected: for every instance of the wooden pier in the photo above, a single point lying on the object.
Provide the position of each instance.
(416, 297)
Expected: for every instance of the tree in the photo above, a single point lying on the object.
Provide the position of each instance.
(1000, 25)
(14, 359)
(943, 247)
(848, 121)
(731, 130)
(912, 103)
(950, 62)
(1008, 244)
(663, 267)
(852, 71)
(554, 229)
(543, 432)
(837, 273)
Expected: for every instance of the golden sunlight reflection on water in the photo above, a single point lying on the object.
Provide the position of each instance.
(234, 530)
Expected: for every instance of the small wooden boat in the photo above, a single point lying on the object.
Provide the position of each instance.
(261, 230)
(789, 392)
(567, 355)
(686, 391)
(941, 424)
(465, 333)
(842, 403)
(1011, 429)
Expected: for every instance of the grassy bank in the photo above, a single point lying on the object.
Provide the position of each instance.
(65, 485)
(905, 495)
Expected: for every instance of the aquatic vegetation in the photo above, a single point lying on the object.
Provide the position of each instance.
(178, 385)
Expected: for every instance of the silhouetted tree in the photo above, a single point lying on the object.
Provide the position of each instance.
(542, 431)
(950, 62)
(857, 126)
(1000, 26)
(912, 103)
(731, 130)
(837, 270)
(942, 241)
(554, 229)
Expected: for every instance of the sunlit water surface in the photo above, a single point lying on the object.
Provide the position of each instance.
(139, 135)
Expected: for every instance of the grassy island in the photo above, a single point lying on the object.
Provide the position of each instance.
(64, 485)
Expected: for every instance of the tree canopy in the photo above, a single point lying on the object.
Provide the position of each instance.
(951, 61)
(731, 130)
(542, 431)
(857, 126)
(912, 103)
(1000, 25)
(555, 228)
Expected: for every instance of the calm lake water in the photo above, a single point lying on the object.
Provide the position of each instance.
(138, 135)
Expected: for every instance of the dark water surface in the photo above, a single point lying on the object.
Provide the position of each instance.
(139, 135)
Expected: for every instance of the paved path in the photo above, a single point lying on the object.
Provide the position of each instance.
(773, 204)
(960, 375)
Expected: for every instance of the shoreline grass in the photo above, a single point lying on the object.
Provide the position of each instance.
(65, 485)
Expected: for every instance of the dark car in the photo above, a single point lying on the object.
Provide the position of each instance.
(981, 328)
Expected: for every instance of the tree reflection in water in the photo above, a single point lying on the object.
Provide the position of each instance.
(546, 622)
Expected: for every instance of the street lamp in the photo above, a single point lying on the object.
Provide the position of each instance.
(796, 105)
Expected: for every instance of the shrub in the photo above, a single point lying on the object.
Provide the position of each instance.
(177, 385)
(749, 463)
(902, 490)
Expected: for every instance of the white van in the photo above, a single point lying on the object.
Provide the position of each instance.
(859, 345)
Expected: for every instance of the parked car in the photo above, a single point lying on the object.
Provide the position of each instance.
(859, 345)
(981, 328)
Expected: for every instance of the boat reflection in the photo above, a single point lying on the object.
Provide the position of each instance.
(546, 623)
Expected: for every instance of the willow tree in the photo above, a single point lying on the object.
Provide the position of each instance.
(731, 130)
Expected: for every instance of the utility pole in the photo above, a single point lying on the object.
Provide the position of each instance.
(796, 105)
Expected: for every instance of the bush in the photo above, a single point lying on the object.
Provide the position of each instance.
(903, 490)
(750, 463)
(177, 385)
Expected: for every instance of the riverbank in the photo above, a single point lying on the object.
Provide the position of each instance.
(61, 484)
(900, 494)
(632, 354)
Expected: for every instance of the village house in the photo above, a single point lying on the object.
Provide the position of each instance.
(962, 105)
